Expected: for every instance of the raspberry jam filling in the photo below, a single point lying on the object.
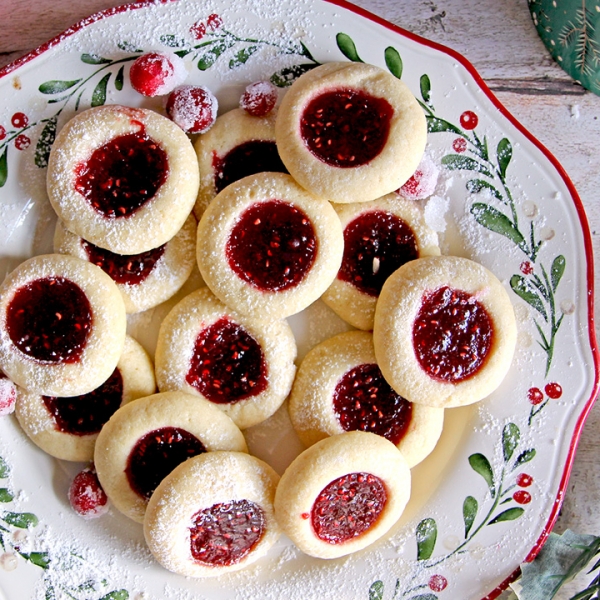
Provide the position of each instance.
(156, 454)
(130, 269)
(228, 364)
(249, 158)
(50, 320)
(376, 243)
(86, 414)
(452, 335)
(348, 507)
(122, 175)
(346, 128)
(225, 533)
(272, 246)
(364, 401)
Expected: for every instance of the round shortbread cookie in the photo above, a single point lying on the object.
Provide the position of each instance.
(445, 331)
(236, 146)
(342, 494)
(339, 387)
(125, 179)
(147, 438)
(62, 325)
(144, 280)
(268, 248)
(350, 132)
(244, 366)
(67, 428)
(379, 237)
(213, 515)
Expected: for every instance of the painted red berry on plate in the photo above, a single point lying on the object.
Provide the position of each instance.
(524, 480)
(8, 395)
(193, 108)
(259, 98)
(459, 145)
(469, 120)
(535, 395)
(526, 267)
(157, 73)
(19, 120)
(22, 142)
(86, 495)
(437, 583)
(214, 21)
(553, 390)
(2, 132)
(522, 497)
(198, 30)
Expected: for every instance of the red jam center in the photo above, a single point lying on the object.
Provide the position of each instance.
(452, 335)
(346, 128)
(249, 158)
(364, 401)
(156, 454)
(86, 414)
(225, 533)
(347, 507)
(272, 246)
(130, 269)
(124, 174)
(376, 243)
(228, 364)
(50, 320)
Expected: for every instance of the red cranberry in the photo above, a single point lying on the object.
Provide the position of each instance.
(156, 73)
(437, 583)
(522, 497)
(8, 395)
(526, 267)
(553, 390)
(535, 396)
(259, 98)
(459, 145)
(193, 108)
(2, 133)
(524, 480)
(22, 142)
(19, 120)
(469, 120)
(87, 496)
(423, 181)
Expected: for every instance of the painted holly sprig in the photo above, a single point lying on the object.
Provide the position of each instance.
(507, 486)
(211, 41)
(13, 534)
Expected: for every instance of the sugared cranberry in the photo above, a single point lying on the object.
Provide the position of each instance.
(535, 396)
(122, 175)
(364, 401)
(228, 364)
(8, 395)
(86, 414)
(553, 390)
(225, 533)
(272, 246)
(49, 320)
(348, 507)
(129, 269)
(376, 243)
(524, 480)
(437, 583)
(469, 120)
(19, 120)
(156, 454)
(193, 107)
(22, 142)
(346, 128)
(452, 335)
(248, 158)
(423, 181)
(87, 496)
(522, 497)
(156, 73)
(259, 98)
(459, 145)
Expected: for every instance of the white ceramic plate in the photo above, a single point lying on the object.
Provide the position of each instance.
(487, 497)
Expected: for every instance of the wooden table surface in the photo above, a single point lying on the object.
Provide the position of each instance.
(500, 40)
